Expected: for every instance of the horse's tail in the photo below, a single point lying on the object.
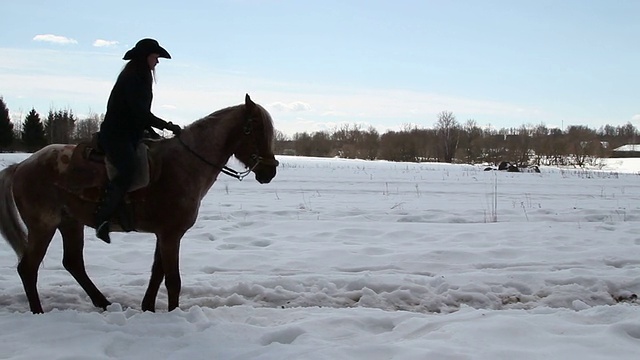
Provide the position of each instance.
(10, 225)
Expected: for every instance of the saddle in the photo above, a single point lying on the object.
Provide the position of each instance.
(88, 172)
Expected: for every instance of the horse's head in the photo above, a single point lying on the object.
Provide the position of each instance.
(256, 147)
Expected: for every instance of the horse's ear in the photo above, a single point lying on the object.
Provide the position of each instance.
(248, 102)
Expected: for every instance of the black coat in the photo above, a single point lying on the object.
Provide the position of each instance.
(129, 110)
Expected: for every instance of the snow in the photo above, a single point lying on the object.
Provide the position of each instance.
(628, 147)
(349, 259)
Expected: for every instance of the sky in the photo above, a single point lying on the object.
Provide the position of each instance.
(340, 259)
(320, 65)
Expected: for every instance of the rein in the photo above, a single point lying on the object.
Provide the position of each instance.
(224, 169)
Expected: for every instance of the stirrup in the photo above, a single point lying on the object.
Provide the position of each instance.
(102, 232)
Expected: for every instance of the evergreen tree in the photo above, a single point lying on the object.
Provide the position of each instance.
(6, 126)
(33, 132)
(59, 126)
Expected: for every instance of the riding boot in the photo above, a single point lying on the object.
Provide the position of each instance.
(108, 205)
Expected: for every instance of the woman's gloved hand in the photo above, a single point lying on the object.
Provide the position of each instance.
(175, 129)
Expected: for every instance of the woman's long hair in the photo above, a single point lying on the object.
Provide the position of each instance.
(140, 67)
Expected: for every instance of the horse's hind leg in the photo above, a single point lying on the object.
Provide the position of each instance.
(73, 259)
(38, 239)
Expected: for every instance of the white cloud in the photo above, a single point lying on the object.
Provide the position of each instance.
(635, 118)
(56, 39)
(105, 43)
(331, 113)
(296, 106)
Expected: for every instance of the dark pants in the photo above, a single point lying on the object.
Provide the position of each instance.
(122, 155)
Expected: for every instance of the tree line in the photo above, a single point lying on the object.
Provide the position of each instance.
(448, 141)
(34, 132)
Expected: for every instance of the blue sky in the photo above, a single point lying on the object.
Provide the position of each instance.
(316, 65)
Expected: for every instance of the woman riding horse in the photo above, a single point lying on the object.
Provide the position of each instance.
(128, 116)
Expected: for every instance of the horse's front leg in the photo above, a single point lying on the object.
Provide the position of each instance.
(170, 253)
(157, 275)
(165, 264)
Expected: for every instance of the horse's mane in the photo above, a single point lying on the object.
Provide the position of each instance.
(203, 123)
(196, 125)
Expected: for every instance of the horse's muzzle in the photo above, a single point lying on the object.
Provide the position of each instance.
(264, 173)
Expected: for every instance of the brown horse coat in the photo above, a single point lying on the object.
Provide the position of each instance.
(37, 191)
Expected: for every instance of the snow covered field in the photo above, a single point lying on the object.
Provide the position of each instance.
(347, 259)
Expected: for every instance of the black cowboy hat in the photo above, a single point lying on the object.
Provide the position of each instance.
(145, 47)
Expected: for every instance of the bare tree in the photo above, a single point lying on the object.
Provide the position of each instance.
(315, 144)
(539, 134)
(448, 131)
(350, 141)
(583, 144)
(398, 146)
(557, 147)
(85, 128)
(302, 144)
(280, 142)
(471, 142)
(321, 143)
(370, 143)
(519, 145)
(449, 140)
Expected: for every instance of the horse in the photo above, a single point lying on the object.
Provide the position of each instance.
(43, 193)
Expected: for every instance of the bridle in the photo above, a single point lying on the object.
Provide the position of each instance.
(257, 159)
